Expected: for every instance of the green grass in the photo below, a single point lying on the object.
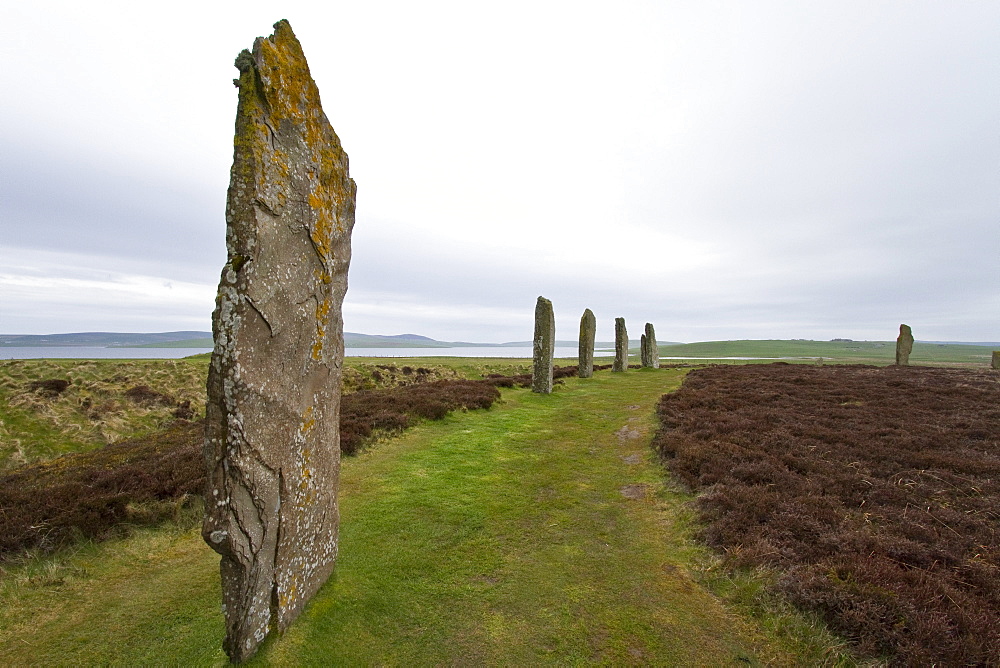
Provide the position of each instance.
(540, 531)
(865, 352)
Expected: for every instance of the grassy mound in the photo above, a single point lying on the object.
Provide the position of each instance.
(875, 490)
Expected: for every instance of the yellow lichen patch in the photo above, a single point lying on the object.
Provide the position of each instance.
(289, 597)
(322, 314)
(308, 422)
(322, 229)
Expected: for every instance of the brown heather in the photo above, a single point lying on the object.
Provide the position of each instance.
(875, 492)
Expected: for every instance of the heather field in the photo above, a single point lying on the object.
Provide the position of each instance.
(873, 492)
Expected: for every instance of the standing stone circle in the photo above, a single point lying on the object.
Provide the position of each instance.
(272, 441)
(621, 346)
(651, 352)
(544, 347)
(588, 333)
(904, 345)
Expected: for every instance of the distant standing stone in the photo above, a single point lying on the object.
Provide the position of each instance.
(621, 346)
(904, 345)
(643, 352)
(588, 332)
(996, 359)
(652, 356)
(272, 440)
(544, 346)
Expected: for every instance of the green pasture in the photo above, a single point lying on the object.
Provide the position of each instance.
(541, 531)
(857, 352)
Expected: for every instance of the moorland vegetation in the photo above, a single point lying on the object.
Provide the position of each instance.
(874, 492)
(143, 481)
(539, 531)
(866, 496)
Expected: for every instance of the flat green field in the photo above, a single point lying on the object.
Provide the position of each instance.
(541, 531)
(860, 352)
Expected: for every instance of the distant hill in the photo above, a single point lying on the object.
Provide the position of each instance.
(109, 339)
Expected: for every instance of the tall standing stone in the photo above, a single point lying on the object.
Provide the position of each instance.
(621, 346)
(272, 440)
(643, 351)
(588, 333)
(544, 346)
(904, 345)
(995, 362)
(651, 354)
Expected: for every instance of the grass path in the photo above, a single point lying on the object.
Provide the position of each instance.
(536, 532)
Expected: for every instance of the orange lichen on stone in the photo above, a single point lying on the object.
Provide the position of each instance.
(322, 315)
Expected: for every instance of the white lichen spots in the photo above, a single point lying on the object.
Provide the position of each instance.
(219, 535)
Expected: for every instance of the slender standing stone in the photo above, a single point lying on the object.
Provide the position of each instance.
(904, 345)
(643, 352)
(621, 346)
(544, 346)
(588, 332)
(272, 440)
(652, 356)
(995, 362)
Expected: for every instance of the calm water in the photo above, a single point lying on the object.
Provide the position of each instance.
(561, 351)
(87, 352)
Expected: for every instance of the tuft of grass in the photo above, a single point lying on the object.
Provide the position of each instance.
(100, 402)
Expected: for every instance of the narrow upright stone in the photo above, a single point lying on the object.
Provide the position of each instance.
(904, 345)
(652, 355)
(588, 332)
(272, 440)
(643, 352)
(544, 347)
(995, 362)
(621, 346)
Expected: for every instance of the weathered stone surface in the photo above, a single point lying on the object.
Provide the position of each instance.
(995, 362)
(272, 437)
(544, 346)
(588, 333)
(904, 345)
(643, 351)
(650, 351)
(621, 346)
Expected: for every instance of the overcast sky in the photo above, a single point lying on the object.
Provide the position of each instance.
(725, 170)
